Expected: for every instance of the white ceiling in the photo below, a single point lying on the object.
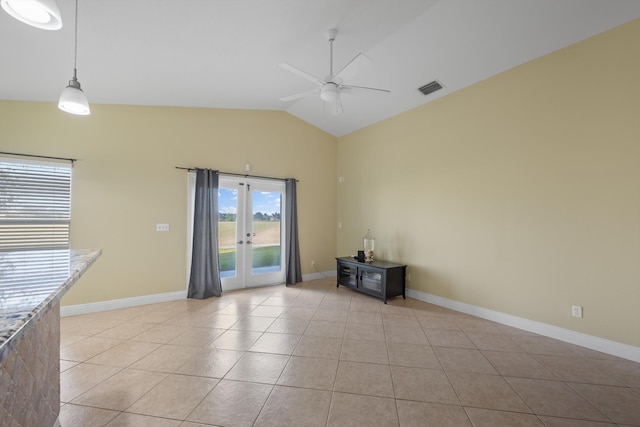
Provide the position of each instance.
(225, 53)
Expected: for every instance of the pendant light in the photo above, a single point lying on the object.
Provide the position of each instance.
(37, 13)
(73, 100)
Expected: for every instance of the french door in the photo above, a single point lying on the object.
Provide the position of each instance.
(251, 233)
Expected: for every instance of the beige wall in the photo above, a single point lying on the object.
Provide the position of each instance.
(520, 194)
(125, 182)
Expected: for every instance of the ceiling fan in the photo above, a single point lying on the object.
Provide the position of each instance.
(332, 86)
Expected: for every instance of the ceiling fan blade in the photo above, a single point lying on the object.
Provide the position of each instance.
(349, 87)
(356, 65)
(303, 74)
(299, 95)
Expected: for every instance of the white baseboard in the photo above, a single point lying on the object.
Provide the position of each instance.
(318, 275)
(595, 343)
(94, 307)
(599, 344)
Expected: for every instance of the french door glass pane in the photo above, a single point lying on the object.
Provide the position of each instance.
(266, 227)
(227, 230)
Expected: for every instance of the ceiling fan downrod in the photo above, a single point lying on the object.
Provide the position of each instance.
(331, 35)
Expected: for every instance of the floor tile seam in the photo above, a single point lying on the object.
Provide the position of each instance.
(453, 347)
(466, 407)
(531, 411)
(495, 368)
(482, 350)
(256, 382)
(126, 411)
(563, 417)
(118, 412)
(362, 361)
(566, 384)
(453, 405)
(280, 374)
(329, 320)
(111, 409)
(182, 374)
(334, 390)
(498, 334)
(330, 409)
(228, 370)
(201, 400)
(316, 336)
(85, 336)
(386, 346)
(97, 384)
(396, 365)
(120, 341)
(601, 370)
(263, 403)
(112, 366)
(393, 382)
(137, 360)
(364, 339)
(597, 384)
(622, 387)
(455, 392)
(305, 388)
(268, 352)
(571, 358)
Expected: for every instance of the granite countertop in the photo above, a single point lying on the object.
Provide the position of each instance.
(31, 282)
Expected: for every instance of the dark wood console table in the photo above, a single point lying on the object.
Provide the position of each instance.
(380, 279)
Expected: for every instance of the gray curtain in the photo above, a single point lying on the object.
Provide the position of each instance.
(292, 256)
(204, 280)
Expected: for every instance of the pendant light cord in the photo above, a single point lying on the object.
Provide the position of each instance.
(75, 47)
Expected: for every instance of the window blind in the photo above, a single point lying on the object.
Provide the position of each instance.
(35, 205)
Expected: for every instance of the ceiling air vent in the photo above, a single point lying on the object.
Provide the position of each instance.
(430, 87)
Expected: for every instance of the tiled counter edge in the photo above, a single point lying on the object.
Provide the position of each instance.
(30, 355)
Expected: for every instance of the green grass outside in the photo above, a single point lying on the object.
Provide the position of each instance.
(266, 233)
(266, 256)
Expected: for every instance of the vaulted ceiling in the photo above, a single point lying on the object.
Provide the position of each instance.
(226, 53)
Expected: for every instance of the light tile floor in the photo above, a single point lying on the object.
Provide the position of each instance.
(313, 354)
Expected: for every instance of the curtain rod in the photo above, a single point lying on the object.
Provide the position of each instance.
(40, 157)
(236, 174)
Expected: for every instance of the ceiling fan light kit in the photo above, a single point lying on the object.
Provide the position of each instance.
(332, 86)
(42, 14)
(329, 92)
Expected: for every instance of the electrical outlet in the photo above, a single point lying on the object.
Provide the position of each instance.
(408, 277)
(162, 227)
(313, 263)
(576, 311)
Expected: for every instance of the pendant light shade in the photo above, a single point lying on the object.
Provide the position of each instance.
(73, 100)
(37, 13)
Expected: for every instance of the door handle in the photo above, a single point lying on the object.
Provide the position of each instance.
(240, 242)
